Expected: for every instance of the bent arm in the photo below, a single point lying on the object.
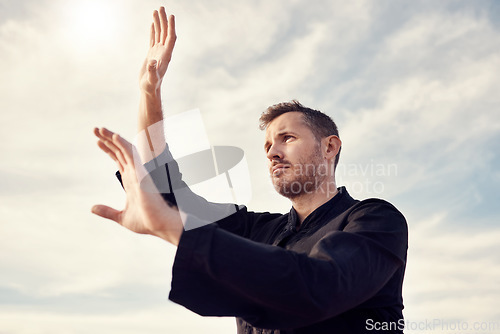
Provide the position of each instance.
(218, 273)
(151, 146)
(167, 178)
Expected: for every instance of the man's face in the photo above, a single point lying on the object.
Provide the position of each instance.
(296, 164)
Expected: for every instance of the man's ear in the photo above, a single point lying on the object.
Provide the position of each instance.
(331, 146)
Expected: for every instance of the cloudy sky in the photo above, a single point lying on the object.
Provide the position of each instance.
(413, 86)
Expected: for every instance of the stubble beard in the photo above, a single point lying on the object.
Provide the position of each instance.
(302, 178)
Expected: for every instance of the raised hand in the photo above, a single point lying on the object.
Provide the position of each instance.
(145, 212)
(162, 41)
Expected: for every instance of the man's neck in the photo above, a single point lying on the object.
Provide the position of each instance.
(305, 204)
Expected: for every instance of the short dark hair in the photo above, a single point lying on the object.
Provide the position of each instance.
(320, 124)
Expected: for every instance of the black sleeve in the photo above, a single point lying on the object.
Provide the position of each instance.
(220, 274)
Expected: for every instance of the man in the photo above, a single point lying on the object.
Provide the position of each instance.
(331, 265)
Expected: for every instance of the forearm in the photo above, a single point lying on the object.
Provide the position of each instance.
(150, 109)
(151, 135)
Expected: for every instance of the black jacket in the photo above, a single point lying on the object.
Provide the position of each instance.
(340, 272)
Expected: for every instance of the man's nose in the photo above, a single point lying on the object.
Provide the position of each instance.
(274, 153)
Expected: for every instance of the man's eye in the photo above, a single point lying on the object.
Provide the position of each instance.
(287, 138)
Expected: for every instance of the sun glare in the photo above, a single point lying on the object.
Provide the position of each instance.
(90, 23)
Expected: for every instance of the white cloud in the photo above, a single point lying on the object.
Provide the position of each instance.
(452, 273)
(436, 96)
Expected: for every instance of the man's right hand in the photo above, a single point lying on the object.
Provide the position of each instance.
(145, 212)
(162, 41)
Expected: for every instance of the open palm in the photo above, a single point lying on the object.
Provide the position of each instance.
(162, 41)
(145, 211)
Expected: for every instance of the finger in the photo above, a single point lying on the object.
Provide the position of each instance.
(103, 134)
(108, 141)
(107, 212)
(156, 21)
(171, 32)
(152, 35)
(125, 148)
(102, 145)
(164, 25)
(105, 148)
(97, 132)
(106, 134)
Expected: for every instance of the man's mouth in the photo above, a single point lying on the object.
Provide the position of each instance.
(279, 168)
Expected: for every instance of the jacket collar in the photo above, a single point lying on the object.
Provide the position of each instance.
(331, 209)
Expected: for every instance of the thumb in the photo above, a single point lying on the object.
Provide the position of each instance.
(106, 212)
